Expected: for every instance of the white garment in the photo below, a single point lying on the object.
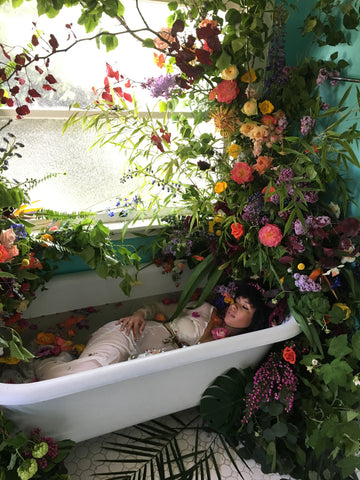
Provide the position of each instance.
(110, 345)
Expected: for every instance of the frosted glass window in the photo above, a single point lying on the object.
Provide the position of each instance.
(92, 177)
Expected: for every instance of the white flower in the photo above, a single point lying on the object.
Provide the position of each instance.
(356, 380)
(334, 207)
(314, 362)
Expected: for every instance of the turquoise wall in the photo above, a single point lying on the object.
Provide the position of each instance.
(297, 47)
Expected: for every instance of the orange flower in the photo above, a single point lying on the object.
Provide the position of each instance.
(225, 92)
(220, 187)
(159, 60)
(242, 173)
(237, 230)
(268, 191)
(263, 163)
(160, 317)
(289, 355)
(45, 339)
(46, 238)
(199, 258)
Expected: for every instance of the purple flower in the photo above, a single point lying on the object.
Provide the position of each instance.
(307, 124)
(282, 123)
(305, 284)
(311, 197)
(285, 175)
(162, 86)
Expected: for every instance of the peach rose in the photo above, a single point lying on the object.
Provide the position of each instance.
(230, 73)
(164, 33)
(270, 235)
(12, 252)
(246, 128)
(7, 238)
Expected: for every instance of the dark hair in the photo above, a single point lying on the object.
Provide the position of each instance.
(253, 293)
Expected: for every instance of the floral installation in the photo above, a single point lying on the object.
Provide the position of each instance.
(254, 196)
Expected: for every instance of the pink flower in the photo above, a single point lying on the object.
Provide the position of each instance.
(225, 92)
(270, 235)
(242, 173)
(165, 34)
(7, 238)
(13, 252)
(219, 332)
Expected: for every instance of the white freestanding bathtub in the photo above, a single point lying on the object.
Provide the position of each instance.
(96, 402)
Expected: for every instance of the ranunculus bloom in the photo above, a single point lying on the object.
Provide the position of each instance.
(289, 355)
(8, 237)
(164, 33)
(225, 92)
(234, 150)
(230, 73)
(237, 230)
(4, 255)
(263, 163)
(242, 173)
(220, 187)
(266, 107)
(270, 235)
(250, 107)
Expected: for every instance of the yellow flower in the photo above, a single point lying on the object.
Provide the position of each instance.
(218, 233)
(220, 187)
(266, 107)
(25, 262)
(230, 73)
(234, 150)
(249, 77)
(344, 308)
(211, 226)
(9, 360)
(218, 218)
(226, 121)
(250, 107)
(301, 266)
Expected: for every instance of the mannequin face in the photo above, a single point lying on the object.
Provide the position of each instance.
(240, 313)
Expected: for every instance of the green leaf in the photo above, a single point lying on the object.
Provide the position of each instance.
(336, 372)
(309, 25)
(223, 61)
(110, 41)
(338, 346)
(148, 43)
(280, 429)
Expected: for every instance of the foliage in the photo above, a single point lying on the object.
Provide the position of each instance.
(155, 452)
(31, 456)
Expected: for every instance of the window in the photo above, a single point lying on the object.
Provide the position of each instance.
(92, 177)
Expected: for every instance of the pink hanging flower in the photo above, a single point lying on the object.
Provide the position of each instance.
(270, 235)
(242, 173)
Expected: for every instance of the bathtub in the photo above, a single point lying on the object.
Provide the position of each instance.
(88, 404)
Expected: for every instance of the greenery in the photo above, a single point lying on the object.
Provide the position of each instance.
(254, 196)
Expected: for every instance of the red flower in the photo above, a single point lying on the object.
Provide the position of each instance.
(237, 230)
(289, 355)
(242, 173)
(225, 92)
(270, 235)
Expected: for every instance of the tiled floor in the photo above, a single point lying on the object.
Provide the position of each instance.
(90, 460)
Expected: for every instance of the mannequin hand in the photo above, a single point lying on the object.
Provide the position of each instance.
(134, 322)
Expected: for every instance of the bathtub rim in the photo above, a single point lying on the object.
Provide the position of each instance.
(35, 392)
